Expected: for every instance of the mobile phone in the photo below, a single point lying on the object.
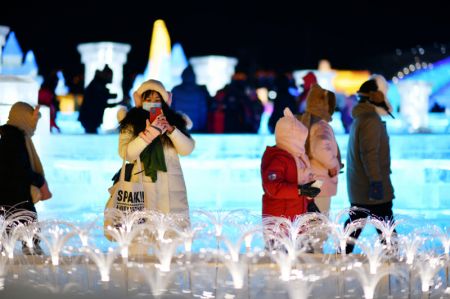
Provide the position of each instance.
(154, 109)
(154, 112)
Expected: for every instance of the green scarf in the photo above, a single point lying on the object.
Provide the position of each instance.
(153, 159)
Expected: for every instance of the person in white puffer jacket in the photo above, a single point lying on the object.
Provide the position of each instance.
(158, 142)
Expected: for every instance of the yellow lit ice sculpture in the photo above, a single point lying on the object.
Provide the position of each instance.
(159, 57)
(159, 64)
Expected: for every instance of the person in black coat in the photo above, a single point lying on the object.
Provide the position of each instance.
(95, 101)
(192, 99)
(22, 179)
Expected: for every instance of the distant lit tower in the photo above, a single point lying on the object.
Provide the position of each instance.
(213, 71)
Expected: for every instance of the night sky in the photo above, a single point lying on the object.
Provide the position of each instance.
(279, 36)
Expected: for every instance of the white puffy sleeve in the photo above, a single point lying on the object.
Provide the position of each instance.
(130, 146)
(183, 145)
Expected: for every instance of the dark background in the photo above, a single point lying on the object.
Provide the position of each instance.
(281, 36)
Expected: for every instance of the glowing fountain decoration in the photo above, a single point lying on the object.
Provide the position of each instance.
(213, 71)
(295, 273)
(95, 56)
(414, 104)
(370, 280)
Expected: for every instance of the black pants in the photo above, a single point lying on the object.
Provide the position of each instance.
(383, 211)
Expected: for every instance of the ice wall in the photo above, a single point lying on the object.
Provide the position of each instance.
(223, 172)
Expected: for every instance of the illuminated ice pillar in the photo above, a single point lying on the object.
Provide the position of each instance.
(24, 89)
(414, 97)
(95, 56)
(178, 62)
(3, 33)
(213, 71)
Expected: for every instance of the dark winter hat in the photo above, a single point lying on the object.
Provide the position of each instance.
(368, 86)
(369, 89)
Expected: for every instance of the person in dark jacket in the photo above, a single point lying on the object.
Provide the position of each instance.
(22, 179)
(95, 101)
(283, 99)
(192, 99)
(368, 158)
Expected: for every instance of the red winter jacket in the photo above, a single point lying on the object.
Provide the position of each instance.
(279, 181)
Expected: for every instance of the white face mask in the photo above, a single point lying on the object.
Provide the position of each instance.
(149, 105)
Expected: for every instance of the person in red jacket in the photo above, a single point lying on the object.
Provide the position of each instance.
(286, 171)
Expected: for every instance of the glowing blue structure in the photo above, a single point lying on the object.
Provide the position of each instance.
(178, 62)
(223, 172)
(437, 75)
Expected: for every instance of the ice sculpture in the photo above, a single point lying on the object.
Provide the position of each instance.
(19, 81)
(159, 64)
(12, 53)
(178, 62)
(30, 66)
(159, 59)
(61, 88)
(95, 56)
(414, 97)
(3, 32)
(25, 89)
(213, 71)
(436, 74)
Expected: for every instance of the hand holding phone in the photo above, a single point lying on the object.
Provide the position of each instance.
(153, 108)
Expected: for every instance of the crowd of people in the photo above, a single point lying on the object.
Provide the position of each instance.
(238, 107)
(299, 173)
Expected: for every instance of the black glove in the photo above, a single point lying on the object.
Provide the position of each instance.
(376, 190)
(308, 190)
(312, 207)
